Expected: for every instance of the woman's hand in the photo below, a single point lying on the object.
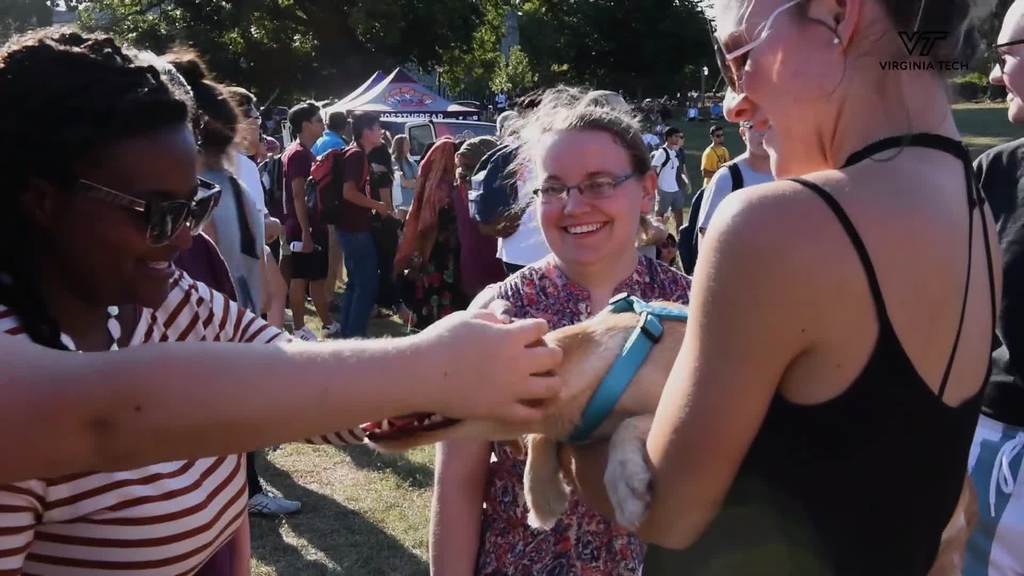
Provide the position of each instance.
(489, 370)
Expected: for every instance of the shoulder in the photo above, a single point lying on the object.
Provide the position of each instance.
(722, 180)
(768, 222)
(297, 155)
(354, 154)
(1000, 164)
(194, 312)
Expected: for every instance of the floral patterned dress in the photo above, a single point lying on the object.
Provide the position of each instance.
(432, 289)
(582, 542)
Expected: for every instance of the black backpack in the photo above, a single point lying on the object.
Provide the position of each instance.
(668, 158)
(273, 195)
(494, 190)
(688, 234)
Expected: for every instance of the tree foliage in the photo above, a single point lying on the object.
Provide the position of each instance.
(643, 47)
(514, 75)
(296, 48)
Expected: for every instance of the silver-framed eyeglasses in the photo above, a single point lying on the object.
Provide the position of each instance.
(163, 218)
(591, 188)
(999, 56)
(732, 63)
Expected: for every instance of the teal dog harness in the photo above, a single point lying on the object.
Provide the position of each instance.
(647, 333)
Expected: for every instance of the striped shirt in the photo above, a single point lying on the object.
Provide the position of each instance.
(162, 519)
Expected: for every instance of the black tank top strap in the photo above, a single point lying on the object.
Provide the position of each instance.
(858, 245)
(956, 149)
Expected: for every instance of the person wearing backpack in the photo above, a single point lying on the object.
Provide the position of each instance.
(748, 169)
(667, 164)
(353, 228)
(304, 229)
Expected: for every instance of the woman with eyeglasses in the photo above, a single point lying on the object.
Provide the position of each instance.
(93, 227)
(819, 415)
(593, 184)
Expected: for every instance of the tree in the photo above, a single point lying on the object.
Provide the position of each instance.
(296, 48)
(515, 75)
(469, 68)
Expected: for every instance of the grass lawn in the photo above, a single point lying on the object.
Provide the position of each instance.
(366, 513)
(982, 125)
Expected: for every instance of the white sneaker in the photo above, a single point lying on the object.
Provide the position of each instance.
(264, 503)
(332, 331)
(306, 334)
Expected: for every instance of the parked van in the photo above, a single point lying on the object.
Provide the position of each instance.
(422, 133)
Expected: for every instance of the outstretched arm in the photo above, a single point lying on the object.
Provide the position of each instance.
(104, 410)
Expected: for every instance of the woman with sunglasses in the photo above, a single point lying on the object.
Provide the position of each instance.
(92, 229)
(819, 415)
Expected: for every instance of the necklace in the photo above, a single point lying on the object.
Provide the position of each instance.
(113, 327)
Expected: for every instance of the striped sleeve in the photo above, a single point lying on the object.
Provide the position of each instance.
(21, 507)
(339, 439)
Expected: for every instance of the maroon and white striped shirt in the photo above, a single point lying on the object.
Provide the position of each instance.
(162, 519)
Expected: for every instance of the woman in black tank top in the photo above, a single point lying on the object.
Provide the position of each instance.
(819, 415)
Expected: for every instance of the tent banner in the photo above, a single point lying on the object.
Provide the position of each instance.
(392, 115)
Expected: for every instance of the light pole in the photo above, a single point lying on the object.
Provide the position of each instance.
(703, 75)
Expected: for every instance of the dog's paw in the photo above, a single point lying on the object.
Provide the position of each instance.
(628, 481)
(547, 508)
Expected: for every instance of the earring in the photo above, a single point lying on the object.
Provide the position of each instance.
(836, 40)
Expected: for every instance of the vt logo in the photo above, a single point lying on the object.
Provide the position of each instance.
(921, 43)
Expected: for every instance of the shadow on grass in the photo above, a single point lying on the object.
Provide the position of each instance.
(345, 537)
(417, 475)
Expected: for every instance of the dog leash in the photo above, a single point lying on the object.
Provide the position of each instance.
(647, 333)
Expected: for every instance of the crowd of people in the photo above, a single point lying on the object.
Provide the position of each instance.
(822, 415)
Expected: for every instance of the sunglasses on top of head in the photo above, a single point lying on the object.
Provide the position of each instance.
(999, 57)
(732, 63)
(164, 218)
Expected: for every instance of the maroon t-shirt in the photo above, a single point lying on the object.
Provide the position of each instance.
(355, 218)
(298, 161)
(479, 266)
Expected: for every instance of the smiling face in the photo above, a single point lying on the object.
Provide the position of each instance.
(586, 233)
(785, 80)
(1012, 74)
(99, 251)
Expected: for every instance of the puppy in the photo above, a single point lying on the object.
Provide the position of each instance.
(588, 349)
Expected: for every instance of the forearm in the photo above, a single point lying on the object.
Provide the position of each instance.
(385, 193)
(301, 210)
(199, 399)
(459, 485)
(350, 193)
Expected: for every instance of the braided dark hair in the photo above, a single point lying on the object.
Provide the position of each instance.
(64, 96)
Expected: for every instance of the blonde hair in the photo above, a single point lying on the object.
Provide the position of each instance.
(568, 108)
(397, 150)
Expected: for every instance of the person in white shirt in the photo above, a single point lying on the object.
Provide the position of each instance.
(755, 167)
(667, 163)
